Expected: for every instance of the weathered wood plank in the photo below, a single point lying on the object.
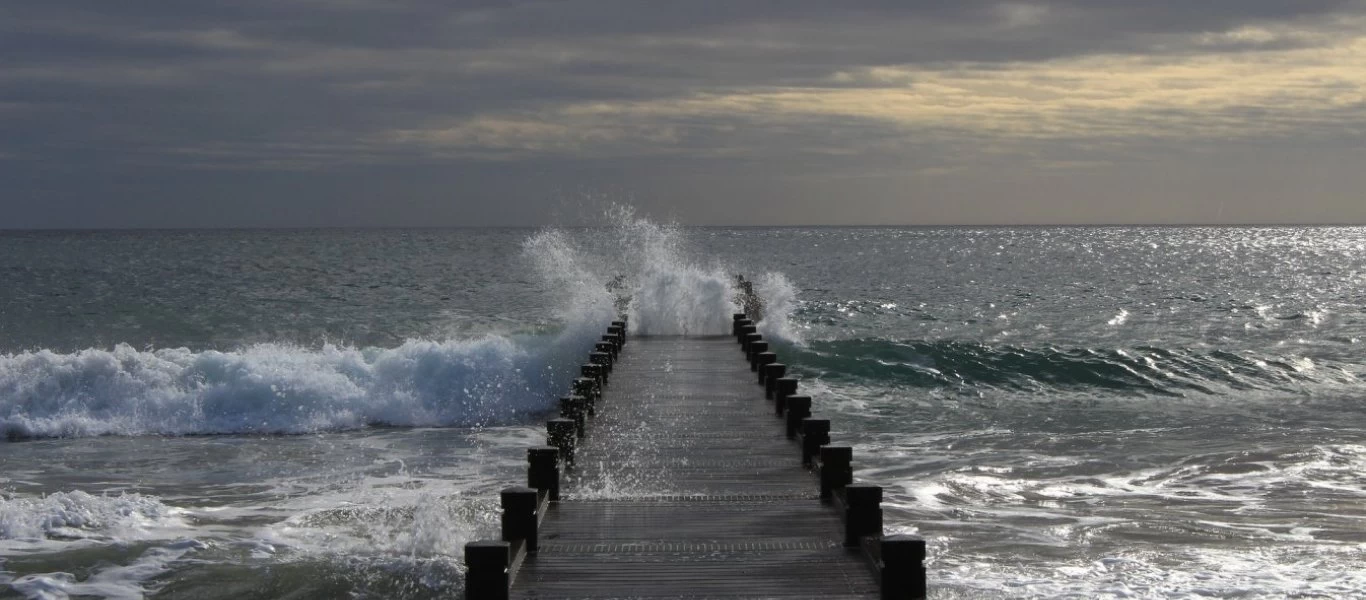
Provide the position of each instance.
(686, 487)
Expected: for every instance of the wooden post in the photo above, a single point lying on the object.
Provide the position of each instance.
(609, 349)
(749, 338)
(798, 408)
(762, 361)
(560, 434)
(543, 471)
(771, 373)
(786, 386)
(746, 330)
(587, 388)
(753, 355)
(592, 371)
(575, 409)
(486, 570)
(735, 323)
(619, 332)
(815, 433)
(739, 328)
(520, 520)
(836, 471)
(604, 360)
(903, 568)
(863, 512)
(612, 339)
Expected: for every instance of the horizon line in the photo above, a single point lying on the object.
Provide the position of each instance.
(694, 226)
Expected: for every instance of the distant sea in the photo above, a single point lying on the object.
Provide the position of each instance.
(1078, 412)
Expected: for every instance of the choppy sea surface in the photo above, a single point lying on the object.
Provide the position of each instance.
(1063, 412)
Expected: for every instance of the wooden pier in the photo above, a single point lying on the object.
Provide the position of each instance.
(677, 470)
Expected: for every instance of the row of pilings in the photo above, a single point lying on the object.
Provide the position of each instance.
(897, 561)
(491, 565)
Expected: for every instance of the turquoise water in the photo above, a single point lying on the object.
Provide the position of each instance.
(1062, 412)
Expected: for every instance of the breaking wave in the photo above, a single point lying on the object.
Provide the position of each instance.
(272, 388)
(649, 273)
(1139, 371)
(635, 267)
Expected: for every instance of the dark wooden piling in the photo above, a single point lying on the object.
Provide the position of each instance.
(588, 389)
(739, 320)
(770, 375)
(901, 567)
(815, 433)
(520, 505)
(762, 360)
(863, 512)
(560, 434)
(594, 372)
(486, 570)
(575, 408)
(835, 469)
(604, 360)
(782, 388)
(614, 341)
(748, 339)
(755, 349)
(543, 470)
(798, 408)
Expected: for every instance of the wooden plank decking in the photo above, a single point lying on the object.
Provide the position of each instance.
(686, 486)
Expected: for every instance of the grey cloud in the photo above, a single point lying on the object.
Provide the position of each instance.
(108, 98)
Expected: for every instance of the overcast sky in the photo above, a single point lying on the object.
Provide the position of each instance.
(198, 113)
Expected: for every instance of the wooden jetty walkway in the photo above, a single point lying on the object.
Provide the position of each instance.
(672, 474)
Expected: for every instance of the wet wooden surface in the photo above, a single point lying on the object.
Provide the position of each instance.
(686, 487)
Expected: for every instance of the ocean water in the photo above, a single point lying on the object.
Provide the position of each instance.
(1062, 412)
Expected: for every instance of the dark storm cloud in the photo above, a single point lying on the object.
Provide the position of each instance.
(106, 99)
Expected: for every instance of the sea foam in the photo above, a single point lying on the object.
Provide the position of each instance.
(77, 515)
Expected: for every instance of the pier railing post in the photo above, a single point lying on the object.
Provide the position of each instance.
(755, 348)
(746, 327)
(543, 470)
(604, 360)
(903, 568)
(863, 512)
(761, 361)
(815, 433)
(560, 434)
(588, 389)
(612, 339)
(745, 332)
(771, 373)
(798, 408)
(836, 469)
(593, 372)
(749, 339)
(735, 323)
(486, 570)
(520, 518)
(784, 387)
(575, 409)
